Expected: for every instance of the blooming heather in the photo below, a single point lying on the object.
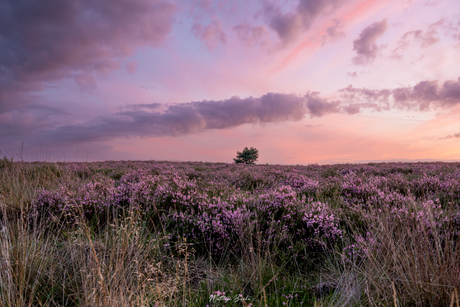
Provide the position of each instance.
(295, 208)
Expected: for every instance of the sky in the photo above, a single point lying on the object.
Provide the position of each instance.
(303, 81)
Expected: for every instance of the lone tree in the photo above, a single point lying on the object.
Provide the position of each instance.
(248, 156)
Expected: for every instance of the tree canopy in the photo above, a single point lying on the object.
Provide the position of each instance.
(247, 156)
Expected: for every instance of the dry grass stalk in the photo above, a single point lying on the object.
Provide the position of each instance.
(395, 299)
(454, 298)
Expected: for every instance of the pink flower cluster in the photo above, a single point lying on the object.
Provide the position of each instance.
(296, 208)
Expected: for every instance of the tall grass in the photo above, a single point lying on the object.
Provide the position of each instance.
(26, 266)
(408, 257)
(414, 261)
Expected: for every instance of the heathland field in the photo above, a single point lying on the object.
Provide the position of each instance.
(212, 234)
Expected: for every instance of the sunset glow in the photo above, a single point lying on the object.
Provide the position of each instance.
(303, 81)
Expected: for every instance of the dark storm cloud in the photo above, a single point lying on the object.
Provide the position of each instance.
(365, 46)
(46, 40)
(289, 25)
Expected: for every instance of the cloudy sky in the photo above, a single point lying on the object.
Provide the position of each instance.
(304, 81)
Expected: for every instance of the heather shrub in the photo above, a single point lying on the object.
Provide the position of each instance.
(359, 189)
(249, 180)
(212, 231)
(303, 185)
(55, 206)
(113, 173)
(298, 227)
(283, 220)
(66, 205)
(138, 189)
(329, 172)
(329, 189)
(398, 183)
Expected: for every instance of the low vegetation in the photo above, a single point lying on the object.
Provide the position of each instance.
(201, 234)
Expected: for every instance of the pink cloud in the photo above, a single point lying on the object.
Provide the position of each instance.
(46, 41)
(424, 96)
(450, 136)
(186, 118)
(359, 95)
(352, 74)
(250, 35)
(329, 31)
(86, 81)
(131, 67)
(210, 34)
(424, 38)
(427, 94)
(189, 94)
(319, 106)
(334, 32)
(290, 25)
(365, 46)
(154, 119)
